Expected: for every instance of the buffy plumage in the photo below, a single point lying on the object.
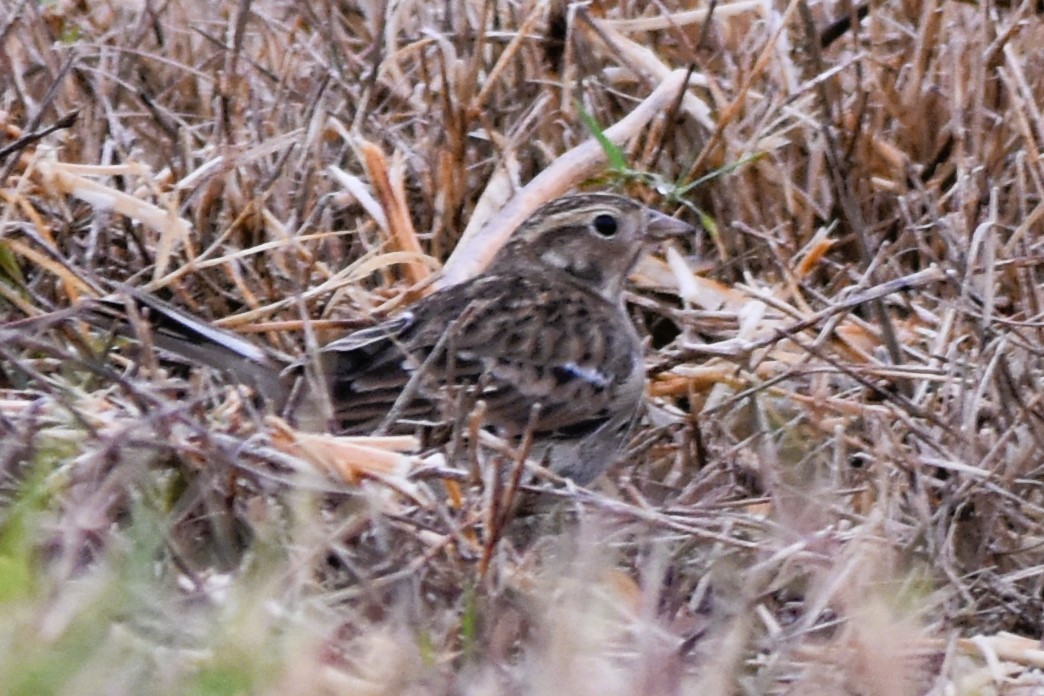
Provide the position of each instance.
(542, 337)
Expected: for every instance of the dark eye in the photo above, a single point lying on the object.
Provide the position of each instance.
(604, 225)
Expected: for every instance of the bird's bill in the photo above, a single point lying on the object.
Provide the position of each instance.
(661, 226)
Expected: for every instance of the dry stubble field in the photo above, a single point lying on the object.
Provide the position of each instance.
(836, 488)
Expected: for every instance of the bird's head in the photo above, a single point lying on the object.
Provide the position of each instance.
(596, 238)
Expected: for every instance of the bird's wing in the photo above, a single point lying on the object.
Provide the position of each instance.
(559, 346)
(519, 340)
(367, 371)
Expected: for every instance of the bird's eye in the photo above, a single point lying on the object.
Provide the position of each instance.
(604, 225)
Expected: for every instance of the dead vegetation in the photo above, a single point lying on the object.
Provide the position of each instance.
(836, 489)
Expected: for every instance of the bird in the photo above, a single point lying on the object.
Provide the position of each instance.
(542, 338)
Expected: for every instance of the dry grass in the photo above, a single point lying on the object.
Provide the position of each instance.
(837, 489)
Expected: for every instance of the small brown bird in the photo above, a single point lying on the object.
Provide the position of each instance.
(542, 337)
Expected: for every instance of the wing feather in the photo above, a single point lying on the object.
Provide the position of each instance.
(522, 340)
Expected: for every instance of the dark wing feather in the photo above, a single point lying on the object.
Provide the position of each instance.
(364, 374)
(523, 340)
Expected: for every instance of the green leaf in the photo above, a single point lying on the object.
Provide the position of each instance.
(720, 171)
(617, 161)
(9, 266)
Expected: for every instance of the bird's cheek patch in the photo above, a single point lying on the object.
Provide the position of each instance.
(574, 264)
(554, 257)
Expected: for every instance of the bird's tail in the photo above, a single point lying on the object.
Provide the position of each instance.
(140, 315)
